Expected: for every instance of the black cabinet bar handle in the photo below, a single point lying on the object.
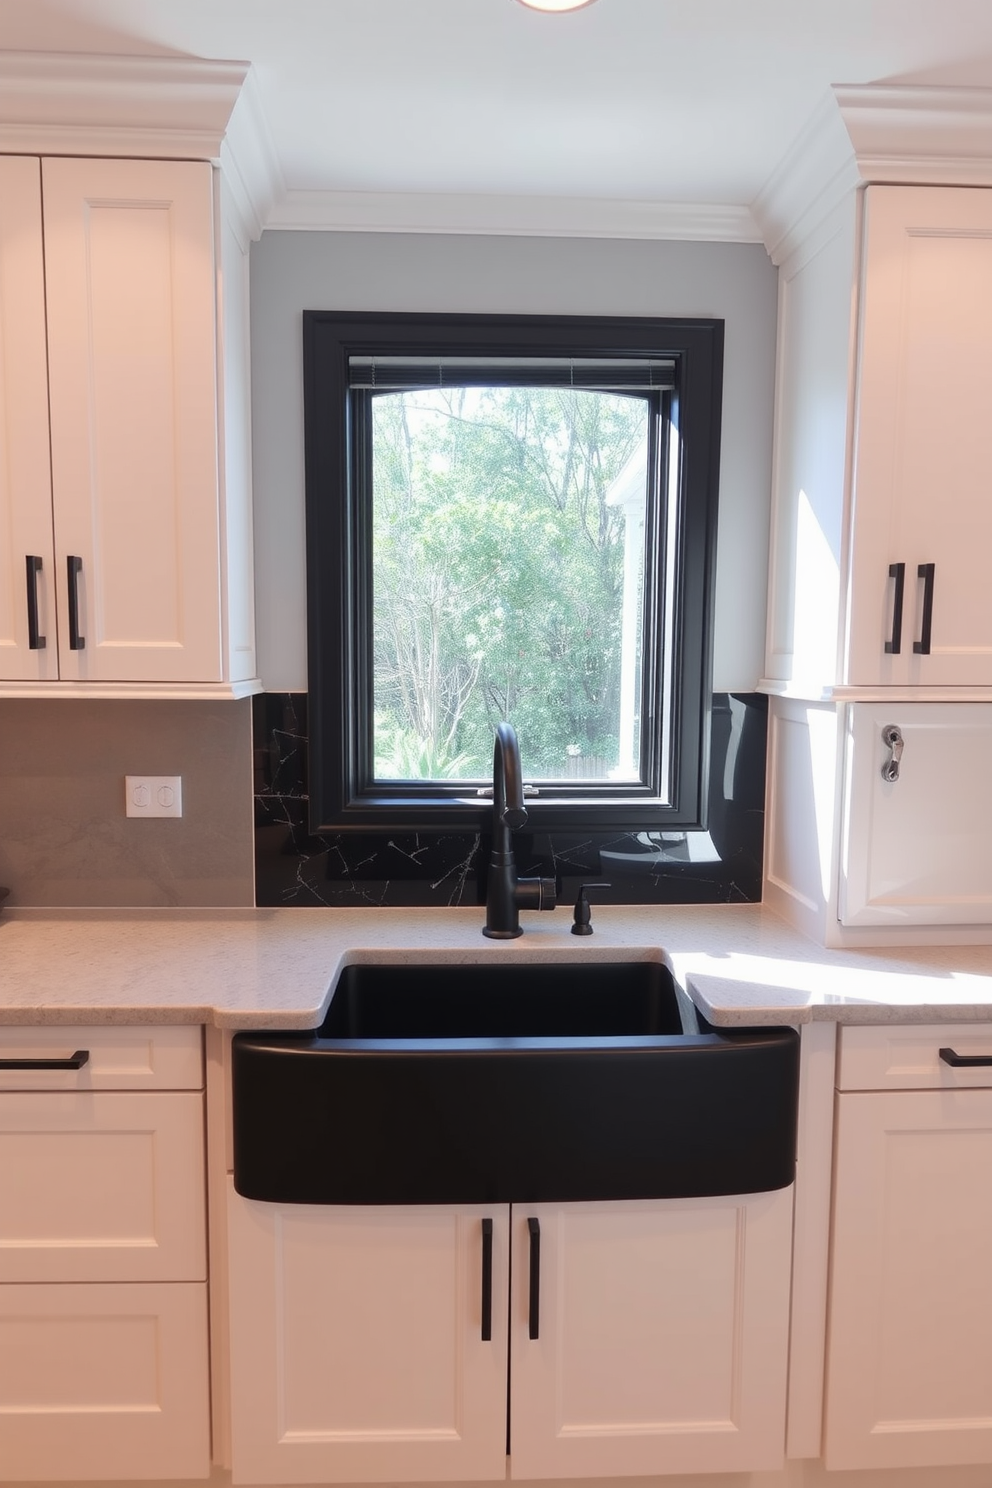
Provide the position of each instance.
(534, 1226)
(925, 572)
(487, 1280)
(74, 566)
(36, 642)
(964, 1060)
(74, 1061)
(897, 571)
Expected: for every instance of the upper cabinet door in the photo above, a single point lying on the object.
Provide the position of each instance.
(922, 479)
(28, 639)
(132, 325)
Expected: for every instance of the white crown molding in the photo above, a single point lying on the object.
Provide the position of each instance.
(79, 104)
(174, 108)
(250, 163)
(873, 133)
(933, 136)
(817, 171)
(514, 216)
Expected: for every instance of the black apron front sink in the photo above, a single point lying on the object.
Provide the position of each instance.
(511, 1082)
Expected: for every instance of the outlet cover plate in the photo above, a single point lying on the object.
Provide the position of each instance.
(153, 795)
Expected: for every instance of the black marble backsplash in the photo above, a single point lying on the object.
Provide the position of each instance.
(721, 865)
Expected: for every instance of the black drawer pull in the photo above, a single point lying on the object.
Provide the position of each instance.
(926, 573)
(964, 1061)
(534, 1319)
(897, 571)
(74, 567)
(74, 1061)
(487, 1280)
(36, 642)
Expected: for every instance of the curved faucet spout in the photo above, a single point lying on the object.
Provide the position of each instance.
(508, 785)
(507, 894)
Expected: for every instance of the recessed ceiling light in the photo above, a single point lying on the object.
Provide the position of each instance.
(556, 5)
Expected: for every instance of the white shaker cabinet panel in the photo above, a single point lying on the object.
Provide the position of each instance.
(103, 1297)
(898, 1056)
(644, 1338)
(102, 1187)
(130, 272)
(909, 1361)
(916, 848)
(28, 636)
(357, 1348)
(84, 1056)
(104, 1382)
(923, 442)
(662, 1337)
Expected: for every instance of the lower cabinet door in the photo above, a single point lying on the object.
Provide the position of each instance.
(104, 1381)
(650, 1337)
(909, 1371)
(358, 1342)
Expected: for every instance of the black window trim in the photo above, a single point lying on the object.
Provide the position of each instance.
(343, 796)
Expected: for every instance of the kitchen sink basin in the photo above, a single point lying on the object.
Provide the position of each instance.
(508, 1081)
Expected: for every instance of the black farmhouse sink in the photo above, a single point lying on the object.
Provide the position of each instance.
(508, 1081)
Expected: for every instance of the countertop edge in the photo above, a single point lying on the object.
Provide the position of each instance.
(742, 965)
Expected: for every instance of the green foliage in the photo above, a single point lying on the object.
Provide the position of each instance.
(401, 755)
(498, 576)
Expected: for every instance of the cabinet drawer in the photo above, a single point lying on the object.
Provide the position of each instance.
(104, 1186)
(103, 1382)
(117, 1058)
(901, 1058)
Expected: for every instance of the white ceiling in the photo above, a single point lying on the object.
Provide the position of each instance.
(647, 101)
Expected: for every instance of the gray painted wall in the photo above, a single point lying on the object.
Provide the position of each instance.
(296, 271)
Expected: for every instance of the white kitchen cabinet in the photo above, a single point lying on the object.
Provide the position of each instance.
(133, 546)
(103, 1298)
(915, 849)
(883, 461)
(357, 1350)
(923, 442)
(25, 470)
(884, 449)
(356, 1343)
(662, 1337)
(909, 1360)
(102, 1187)
(103, 1382)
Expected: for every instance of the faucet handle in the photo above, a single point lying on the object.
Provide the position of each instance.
(582, 919)
(536, 893)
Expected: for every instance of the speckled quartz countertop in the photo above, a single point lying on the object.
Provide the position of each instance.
(275, 968)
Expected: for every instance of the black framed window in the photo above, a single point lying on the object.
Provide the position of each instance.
(510, 517)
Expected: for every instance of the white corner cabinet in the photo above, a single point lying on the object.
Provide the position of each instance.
(372, 1344)
(909, 1376)
(125, 521)
(103, 1305)
(880, 609)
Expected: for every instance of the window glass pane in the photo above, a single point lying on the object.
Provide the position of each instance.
(508, 561)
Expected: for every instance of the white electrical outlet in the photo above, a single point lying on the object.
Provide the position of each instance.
(153, 795)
